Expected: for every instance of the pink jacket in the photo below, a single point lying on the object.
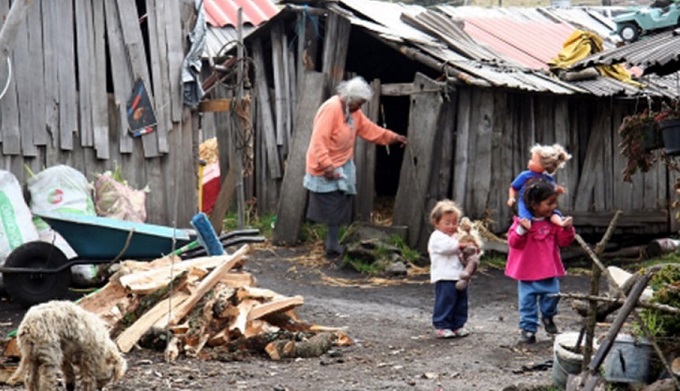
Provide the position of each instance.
(332, 141)
(535, 255)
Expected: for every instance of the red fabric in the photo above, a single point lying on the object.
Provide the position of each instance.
(211, 186)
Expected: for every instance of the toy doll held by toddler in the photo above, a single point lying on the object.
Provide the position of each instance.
(470, 243)
(545, 160)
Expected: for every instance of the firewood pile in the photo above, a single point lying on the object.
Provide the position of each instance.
(204, 307)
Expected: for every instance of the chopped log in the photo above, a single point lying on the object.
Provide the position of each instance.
(238, 279)
(128, 338)
(110, 303)
(206, 284)
(11, 349)
(313, 347)
(154, 279)
(192, 351)
(279, 305)
(257, 293)
(241, 320)
(172, 350)
(148, 302)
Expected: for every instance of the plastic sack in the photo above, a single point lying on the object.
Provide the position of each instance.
(115, 199)
(16, 228)
(62, 189)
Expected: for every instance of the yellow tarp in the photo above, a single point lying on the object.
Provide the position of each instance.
(582, 44)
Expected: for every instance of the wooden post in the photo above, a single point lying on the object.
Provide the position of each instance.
(336, 45)
(293, 198)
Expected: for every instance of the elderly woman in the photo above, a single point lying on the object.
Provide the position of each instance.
(330, 173)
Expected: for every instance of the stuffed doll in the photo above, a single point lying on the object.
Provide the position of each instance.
(470, 243)
(545, 160)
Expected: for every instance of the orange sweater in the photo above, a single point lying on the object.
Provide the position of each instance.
(332, 142)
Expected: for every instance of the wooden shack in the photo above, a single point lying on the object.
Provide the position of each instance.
(69, 77)
(470, 124)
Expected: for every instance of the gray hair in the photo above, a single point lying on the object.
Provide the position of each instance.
(355, 89)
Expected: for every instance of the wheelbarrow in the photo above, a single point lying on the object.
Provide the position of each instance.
(39, 271)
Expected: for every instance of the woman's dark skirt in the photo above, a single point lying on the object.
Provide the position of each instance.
(334, 208)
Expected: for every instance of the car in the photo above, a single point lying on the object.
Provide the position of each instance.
(630, 26)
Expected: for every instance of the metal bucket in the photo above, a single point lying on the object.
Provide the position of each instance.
(658, 247)
(628, 360)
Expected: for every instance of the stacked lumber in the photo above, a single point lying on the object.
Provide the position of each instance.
(182, 307)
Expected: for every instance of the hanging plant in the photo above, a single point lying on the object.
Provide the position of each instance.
(640, 136)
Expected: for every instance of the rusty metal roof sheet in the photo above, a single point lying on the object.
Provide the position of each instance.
(222, 17)
(221, 13)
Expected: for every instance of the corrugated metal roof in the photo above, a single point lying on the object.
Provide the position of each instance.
(222, 17)
(504, 47)
(221, 13)
(659, 53)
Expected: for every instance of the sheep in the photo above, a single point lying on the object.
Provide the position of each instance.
(62, 335)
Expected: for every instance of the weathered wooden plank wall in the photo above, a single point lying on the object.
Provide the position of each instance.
(57, 109)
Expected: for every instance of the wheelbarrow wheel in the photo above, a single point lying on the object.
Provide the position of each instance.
(30, 288)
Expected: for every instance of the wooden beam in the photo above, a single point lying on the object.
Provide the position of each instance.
(213, 105)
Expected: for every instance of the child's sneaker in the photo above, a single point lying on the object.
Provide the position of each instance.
(460, 333)
(527, 337)
(549, 325)
(445, 333)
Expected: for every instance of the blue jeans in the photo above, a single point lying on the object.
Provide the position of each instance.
(534, 295)
(450, 306)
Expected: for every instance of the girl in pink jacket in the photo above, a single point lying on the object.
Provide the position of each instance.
(534, 260)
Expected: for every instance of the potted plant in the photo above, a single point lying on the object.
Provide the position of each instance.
(639, 138)
(669, 123)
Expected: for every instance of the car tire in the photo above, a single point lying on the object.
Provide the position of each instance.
(629, 32)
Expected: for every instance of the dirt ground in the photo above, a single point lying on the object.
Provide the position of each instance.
(390, 325)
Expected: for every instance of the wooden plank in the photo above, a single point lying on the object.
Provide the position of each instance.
(416, 168)
(175, 38)
(589, 178)
(122, 74)
(136, 53)
(85, 44)
(627, 219)
(276, 33)
(289, 96)
(397, 89)
(608, 150)
(213, 105)
(336, 45)
(159, 71)
(66, 70)
(266, 116)
(37, 69)
(25, 90)
(562, 137)
(501, 174)
(99, 96)
(364, 159)
(479, 185)
(271, 307)
(187, 156)
(293, 198)
(462, 157)
(9, 126)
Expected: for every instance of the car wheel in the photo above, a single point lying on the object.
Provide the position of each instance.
(629, 32)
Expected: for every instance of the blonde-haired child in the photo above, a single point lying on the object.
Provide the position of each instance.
(450, 311)
(545, 160)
